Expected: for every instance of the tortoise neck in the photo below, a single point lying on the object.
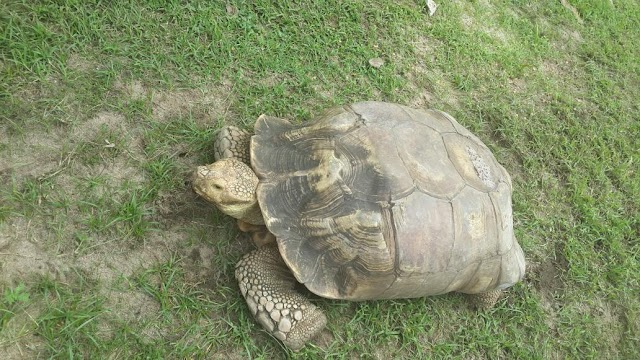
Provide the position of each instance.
(253, 215)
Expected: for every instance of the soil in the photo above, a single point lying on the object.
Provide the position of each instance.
(43, 244)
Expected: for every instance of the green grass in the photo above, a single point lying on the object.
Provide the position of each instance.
(106, 107)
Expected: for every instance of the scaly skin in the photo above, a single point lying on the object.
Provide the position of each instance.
(231, 185)
(265, 281)
(268, 287)
(485, 300)
(232, 142)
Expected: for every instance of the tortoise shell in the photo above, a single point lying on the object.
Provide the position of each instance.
(377, 201)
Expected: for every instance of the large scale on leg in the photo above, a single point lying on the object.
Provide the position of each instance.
(367, 201)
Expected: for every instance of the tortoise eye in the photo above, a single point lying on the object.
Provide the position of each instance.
(217, 187)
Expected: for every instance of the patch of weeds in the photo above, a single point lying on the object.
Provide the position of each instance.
(125, 212)
(163, 172)
(69, 322)
(135, 109)
(202, 316)
(95, 214)
(30, 197)
(14, 299)
(134, 213)
(129, 342)
(5, 212)
(171, 149)
(94, 183)
(182, 134)
(166, 284)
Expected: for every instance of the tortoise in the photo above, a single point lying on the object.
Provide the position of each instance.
(367, 201)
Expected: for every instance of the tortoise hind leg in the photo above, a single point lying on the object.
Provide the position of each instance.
(485, 300)
(232, 142)
(268, 287)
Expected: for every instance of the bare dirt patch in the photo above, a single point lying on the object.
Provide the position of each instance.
(111, 121)
(550, 273)
(198, 263)
(101, 157)
(548, 279)
(134, 89)
(19, 342)
(107, 264)
(80, 63)
(23, 254)
(203, 105)
(31, 155)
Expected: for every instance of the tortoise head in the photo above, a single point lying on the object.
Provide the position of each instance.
(231, 185)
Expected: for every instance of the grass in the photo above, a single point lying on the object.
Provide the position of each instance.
(105, 108)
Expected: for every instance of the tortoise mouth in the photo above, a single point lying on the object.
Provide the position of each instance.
(197, 190)
(195, 186)
(198, 185)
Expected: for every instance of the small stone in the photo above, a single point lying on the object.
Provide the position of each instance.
(251, 293)
(376, 62)
(297, 315)
(263, 300)
(284, 325)
(260, 308)
(231, 10)
(243, 289)
(432, 6)
(303, 307)
(275, 315)
(279, 306)
(269, 306)
(285, 312)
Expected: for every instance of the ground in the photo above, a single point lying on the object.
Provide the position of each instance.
(106, 109)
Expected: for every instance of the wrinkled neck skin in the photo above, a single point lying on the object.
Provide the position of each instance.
(250, 213)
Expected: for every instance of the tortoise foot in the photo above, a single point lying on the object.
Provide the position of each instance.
(485, 300)
(232, 142)
(268, 287)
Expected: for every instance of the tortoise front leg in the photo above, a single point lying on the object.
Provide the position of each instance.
(268, 287)
(259, 233)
